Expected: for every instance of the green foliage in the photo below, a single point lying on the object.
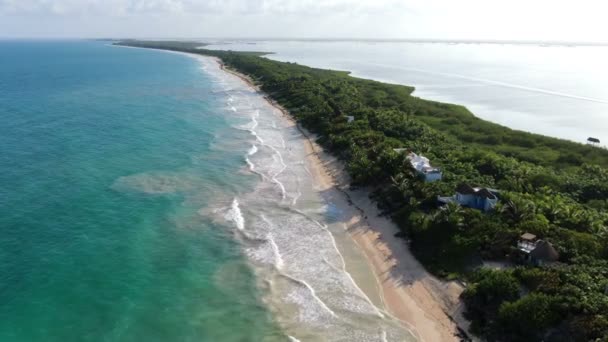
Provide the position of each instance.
(553, 188)
(529, 317)
(485, 296)
(492, 288)
(557, 303)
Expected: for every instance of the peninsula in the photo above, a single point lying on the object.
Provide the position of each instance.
(521, 218)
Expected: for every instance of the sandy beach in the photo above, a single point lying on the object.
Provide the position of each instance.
(429, 307)
(425, 303)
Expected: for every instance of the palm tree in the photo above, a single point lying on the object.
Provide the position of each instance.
(451, 213)
(591, 222)
(407, 185)
(553, 209)
(518, 210)
(402, 183)
(414, 203)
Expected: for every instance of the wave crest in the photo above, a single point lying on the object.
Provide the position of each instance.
(235, 215)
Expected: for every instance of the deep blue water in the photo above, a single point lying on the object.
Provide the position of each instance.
(106, 156)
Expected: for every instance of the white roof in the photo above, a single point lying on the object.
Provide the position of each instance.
(420, 163)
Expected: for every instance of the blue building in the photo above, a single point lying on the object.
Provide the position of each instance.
(477, 198)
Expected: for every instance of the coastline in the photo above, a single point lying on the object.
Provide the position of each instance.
(446, 84)
(430, 307)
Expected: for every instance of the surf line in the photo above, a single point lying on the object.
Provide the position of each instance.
(285, 114)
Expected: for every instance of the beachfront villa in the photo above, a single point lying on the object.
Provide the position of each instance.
(535, 251)
(422, 165)
(483, 199)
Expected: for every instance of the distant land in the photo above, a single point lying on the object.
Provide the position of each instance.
(521, 218)
(372, 40)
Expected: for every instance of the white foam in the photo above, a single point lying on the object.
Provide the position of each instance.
(278, 258)
(260, 140)
(275, 248)
(250, 164)
(253, 150)
(294, 297)
(287, 241)
(342, 269)
(254, 120)
(275, 175)
(235, 215)
(252, 169)
(298, 193)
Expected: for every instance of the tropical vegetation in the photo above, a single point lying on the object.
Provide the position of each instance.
(553, 188)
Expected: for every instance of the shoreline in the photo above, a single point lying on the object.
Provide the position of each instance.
(429, 307)
(514, 118)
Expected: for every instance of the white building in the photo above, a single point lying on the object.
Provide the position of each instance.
(424, 168)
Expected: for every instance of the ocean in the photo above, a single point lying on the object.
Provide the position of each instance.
(106, 156)
(150, 196)
(559, 91)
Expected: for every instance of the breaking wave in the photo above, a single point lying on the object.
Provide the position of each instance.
(253, 150)
(280, 222)
(235, 215)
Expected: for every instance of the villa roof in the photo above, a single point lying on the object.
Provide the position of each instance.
(419, 162)
(465, 189)
(485, 193)
(528, 237)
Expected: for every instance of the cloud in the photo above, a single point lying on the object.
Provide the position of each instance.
(198, 7)
(97, 7)
(448, 19)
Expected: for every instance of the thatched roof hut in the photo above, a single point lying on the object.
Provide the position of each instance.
(544, 252)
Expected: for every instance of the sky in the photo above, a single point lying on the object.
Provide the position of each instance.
(550, 20)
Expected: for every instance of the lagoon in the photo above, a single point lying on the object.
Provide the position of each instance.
(559, 91)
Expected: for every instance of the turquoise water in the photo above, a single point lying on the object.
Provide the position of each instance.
(106, 157)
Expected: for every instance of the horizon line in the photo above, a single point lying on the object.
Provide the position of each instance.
(334, 39)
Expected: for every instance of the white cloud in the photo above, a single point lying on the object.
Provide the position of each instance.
(72, 7)
(474, 19)
(200, 7)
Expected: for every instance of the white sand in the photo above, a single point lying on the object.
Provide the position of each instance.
(430, 307)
